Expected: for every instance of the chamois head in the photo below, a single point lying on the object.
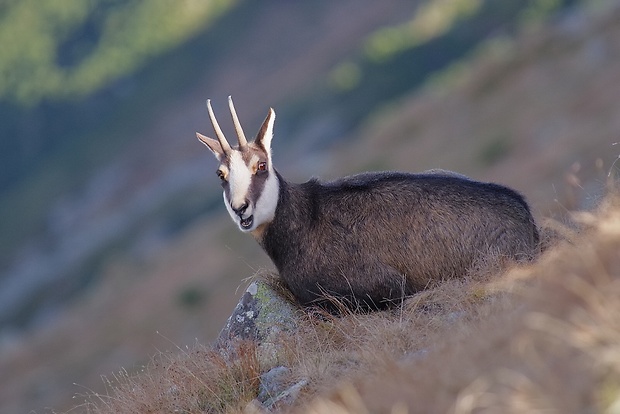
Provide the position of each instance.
(249, 181)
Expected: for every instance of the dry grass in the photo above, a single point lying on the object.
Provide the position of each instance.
(539, 338)
(192, 381)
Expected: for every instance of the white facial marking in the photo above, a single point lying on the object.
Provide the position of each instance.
(232, 214)
(239, 179)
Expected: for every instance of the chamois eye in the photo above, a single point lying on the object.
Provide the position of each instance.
(220, 174)
(262, 166)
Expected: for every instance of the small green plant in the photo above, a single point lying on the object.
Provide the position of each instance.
(192, 297)
(495, 150)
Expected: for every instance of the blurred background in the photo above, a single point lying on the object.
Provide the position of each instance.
(114, 241)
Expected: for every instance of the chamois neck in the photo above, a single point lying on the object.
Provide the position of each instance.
(291, 213)
(294, 205)
(259, 232)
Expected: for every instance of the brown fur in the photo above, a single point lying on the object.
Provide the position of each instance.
(372, 239)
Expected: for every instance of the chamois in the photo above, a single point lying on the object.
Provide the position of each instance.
(370, 239)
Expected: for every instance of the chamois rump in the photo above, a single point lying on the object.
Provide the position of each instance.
(371, 239)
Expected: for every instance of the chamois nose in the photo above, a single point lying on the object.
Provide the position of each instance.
(240, 210)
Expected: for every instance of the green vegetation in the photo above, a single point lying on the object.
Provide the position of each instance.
(495, 149)
(75, 85)
(56, 50)
(73, 71)
(191, 297)
(394, 60)
(432, 20)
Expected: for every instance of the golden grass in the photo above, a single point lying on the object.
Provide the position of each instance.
(539, 338)
(193, 381)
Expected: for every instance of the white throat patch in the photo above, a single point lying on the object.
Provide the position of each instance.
(265, 208)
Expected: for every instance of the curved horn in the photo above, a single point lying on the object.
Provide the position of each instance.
(218, 131)
(243, 142)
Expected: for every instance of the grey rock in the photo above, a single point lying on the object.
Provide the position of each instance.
(262, 315)
(286, 397)
(273, 383)
(275, 392)
(265, 313)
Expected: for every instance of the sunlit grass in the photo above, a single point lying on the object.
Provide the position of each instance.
(433, 19)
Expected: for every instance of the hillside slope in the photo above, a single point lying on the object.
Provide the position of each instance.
(133, 177)
(541, 337)
(537, 114)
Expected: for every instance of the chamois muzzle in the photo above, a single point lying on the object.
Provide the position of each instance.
(246, 223)
(239, 211)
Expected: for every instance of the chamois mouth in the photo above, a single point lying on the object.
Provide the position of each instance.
(246, 223)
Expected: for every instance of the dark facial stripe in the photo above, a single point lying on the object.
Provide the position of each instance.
(260, 177)
(257, 185)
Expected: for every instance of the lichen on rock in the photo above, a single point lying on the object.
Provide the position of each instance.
(263, 313)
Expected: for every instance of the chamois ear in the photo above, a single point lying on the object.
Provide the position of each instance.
(263, 139)
(212, 144)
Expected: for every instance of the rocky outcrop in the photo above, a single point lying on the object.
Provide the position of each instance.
(262, 315)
